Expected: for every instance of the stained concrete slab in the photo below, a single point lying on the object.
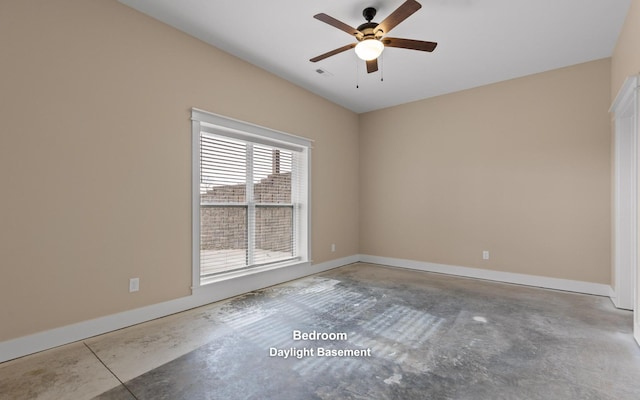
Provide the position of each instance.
(138, 349)
(66, 372)
(430, 336)
(419, 335)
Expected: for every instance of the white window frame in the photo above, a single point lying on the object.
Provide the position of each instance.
(204, 121)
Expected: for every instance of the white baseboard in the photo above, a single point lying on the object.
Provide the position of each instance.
(40, 341)
(598, 289)
(612, 294)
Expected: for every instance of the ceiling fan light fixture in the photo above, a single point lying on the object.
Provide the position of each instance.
(369, 49)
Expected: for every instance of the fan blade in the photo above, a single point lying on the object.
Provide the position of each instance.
(372, 65)
(400, 14)
(333, 52)
(409, 44)
(337, 24)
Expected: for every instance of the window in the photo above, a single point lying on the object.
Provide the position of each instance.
(251, 197)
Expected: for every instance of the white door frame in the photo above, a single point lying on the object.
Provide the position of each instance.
(625, 200)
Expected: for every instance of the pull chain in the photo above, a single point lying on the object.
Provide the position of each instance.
(357, 73)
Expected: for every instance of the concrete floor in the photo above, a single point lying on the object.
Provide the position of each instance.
(419, 335)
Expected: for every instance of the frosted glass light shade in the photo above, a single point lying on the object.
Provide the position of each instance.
(369, 49)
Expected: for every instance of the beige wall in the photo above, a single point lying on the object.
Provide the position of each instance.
(95, 157)
(520, 168)
(626, 56)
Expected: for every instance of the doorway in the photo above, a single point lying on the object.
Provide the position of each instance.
(625, 231)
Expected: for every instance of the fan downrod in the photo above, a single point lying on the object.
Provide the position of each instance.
(368, 13)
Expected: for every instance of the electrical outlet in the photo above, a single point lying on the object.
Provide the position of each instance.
(333, 247)
(485, 255)
(134, 285)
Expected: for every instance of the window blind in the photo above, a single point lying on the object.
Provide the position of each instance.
(248, 195)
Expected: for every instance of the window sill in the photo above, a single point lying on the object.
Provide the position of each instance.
(251, 271)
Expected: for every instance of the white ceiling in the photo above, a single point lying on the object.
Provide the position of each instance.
(479, 41)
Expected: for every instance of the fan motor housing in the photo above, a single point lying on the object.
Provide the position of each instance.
(369, 32)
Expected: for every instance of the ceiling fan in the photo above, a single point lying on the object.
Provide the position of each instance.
(372, 37)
